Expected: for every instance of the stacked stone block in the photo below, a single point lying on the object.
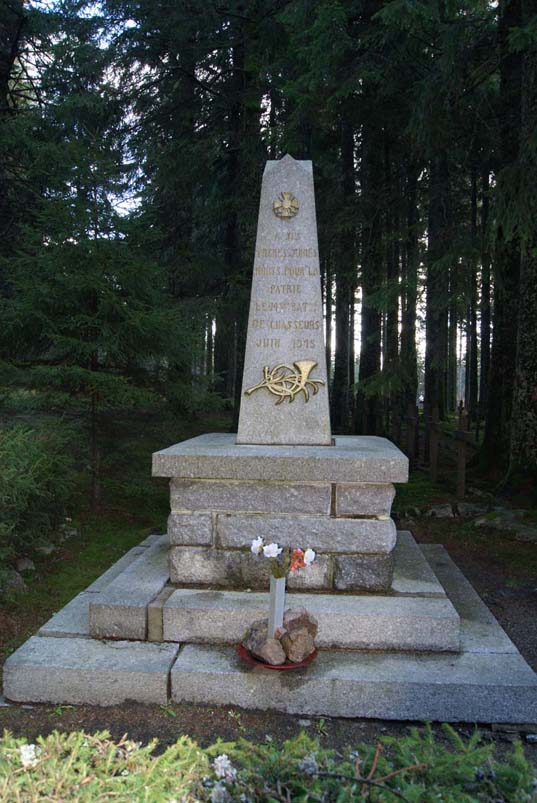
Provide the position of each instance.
(213, 522)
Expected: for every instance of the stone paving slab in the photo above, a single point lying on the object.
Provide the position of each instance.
(121, 609)
(480, 631)
(71, 670)
(352, 458)
(467, 687)
(351, 622)
(413, 573)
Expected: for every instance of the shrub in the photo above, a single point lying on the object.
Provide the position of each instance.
(416, 768)
(35, 484)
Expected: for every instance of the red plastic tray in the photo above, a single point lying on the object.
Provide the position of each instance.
(249, 658)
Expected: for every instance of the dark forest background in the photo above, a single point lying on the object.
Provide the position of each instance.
(133, 136)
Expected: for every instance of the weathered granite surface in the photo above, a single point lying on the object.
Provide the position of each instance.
(352, 459)
(413, 573)
(363, 499)
(488, 682)
(470, 687)
(285, 323)
(206, 568)
(363, 572)
(480, 631)
(345, 622)
(71, 670)
(324, 534)
(190, 529)
(253, 497)
(232, 568)
(120, 610)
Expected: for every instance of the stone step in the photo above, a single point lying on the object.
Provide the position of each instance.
(345, 621)
(452, 688)
(130, 607)
(488, 681)
(78, 671)
(120, 611)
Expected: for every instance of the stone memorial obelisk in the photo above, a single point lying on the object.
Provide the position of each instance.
(402, 635)
(284, 393)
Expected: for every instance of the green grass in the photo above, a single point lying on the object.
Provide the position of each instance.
(64, 574)
(420, 492)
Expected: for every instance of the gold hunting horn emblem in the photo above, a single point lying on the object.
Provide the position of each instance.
(285, 206)
(286, 382)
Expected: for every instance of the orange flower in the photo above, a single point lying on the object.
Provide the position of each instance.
(297, 560)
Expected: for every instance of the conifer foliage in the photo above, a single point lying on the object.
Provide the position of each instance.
(133, 137)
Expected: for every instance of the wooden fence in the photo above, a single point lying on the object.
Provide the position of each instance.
(426, 440)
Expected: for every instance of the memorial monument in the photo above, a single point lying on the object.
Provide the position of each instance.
(402, 633)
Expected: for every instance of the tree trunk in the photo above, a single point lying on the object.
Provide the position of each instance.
(436, 315)
(471, 336)
(452, 350)
(346, 272)
(495, 449)
(12, 20)
(485, 298)
(370, 347)
(409, 359)
(391, 342)
(523, 453)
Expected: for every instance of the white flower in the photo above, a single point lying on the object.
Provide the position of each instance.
(224, 769)
(219, 794)
(29, 754)
(272, 550)
(309, 556)
(257, 545)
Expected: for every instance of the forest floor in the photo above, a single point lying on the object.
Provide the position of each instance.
(502, 570)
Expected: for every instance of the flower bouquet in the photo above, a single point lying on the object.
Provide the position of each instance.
(286, 640)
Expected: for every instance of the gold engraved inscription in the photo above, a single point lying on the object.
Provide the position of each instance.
(287, 382)
(285, 206)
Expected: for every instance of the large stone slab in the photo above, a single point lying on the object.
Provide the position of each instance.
(348, 622)
(72, 620)
(412, 572)
(354, 459)
(253, 497)
(363, 499)
(363, 572)
(190, 529)
(324, 534)
(71, 670)
(224, 569)
(469, 687)
(232, 568)
(480, 631)
(285, 391)
(121, 609)
(119, 566)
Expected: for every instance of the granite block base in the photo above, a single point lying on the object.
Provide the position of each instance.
(487, 680)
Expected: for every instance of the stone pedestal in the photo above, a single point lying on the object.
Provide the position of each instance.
(335, 499)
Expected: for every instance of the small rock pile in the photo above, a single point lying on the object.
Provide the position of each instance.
(294, 642)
